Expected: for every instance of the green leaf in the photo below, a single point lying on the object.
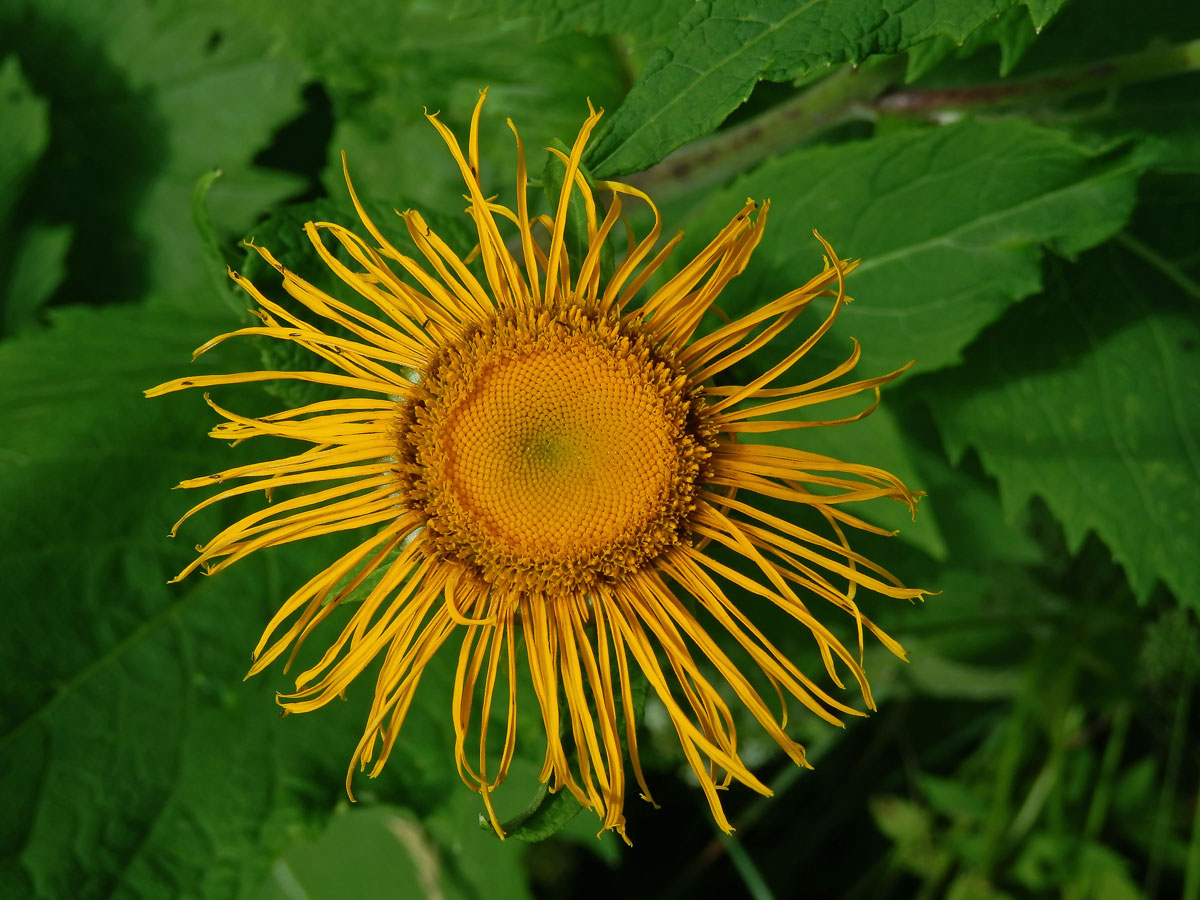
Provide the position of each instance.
(547, 814)
(1086, 31)
(1012, 32)
(31, 259)
(1083, 397)
(934, 675)
(724, 47)
(1168, 108)
(39, 264)
(1103, 873)
(953, 798)
(383, 71)
(477, 865)
(144, 98)
(971, 884)
(910, 827)
(24, 133)
(133, 761)
(972, 523)
(950, 224)
(1168, 112)
(1050, 861)
(1042, 11)
(646, 25)
(383, 852)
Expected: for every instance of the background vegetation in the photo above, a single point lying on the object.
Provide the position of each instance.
(1021, 180)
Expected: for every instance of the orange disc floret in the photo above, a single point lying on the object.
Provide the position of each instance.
(553, 450)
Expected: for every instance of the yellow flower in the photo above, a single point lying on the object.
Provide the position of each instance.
(552, 466)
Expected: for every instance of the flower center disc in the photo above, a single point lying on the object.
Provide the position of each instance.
(555, 452)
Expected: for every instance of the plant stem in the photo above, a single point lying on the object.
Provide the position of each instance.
(845, 95)
(1191, 885)
(853, 93)
(1101, 796)
(1158, 62)
(1170, 782)
(756, 885)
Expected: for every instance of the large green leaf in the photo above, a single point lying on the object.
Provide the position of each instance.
(144, 98)
(950, 224)
(1084, 396)
(133, 761)
(724, 47)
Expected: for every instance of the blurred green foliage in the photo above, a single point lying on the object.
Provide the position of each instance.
(1022, 183)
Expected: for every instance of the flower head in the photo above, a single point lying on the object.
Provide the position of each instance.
(553, 469)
